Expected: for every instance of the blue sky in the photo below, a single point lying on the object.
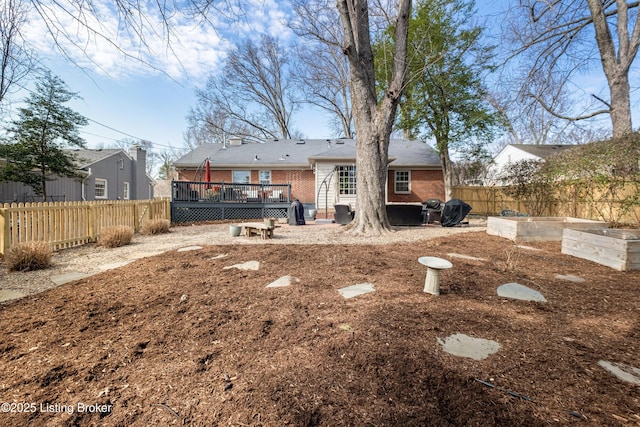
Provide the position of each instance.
(146, 103)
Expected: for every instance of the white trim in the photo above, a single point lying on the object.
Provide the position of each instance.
(95, 187)
(395, 181)
(126, 193)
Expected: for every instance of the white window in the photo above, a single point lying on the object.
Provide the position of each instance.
(402, 180)
(242, 177)
(347, 179)
(125, 193)
(101, 188)
(264, 177)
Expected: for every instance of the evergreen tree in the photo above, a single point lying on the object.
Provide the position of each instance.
(444, 96)
(34, 150)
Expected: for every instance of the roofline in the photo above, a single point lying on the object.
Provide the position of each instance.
(219, 166)
(78, 157)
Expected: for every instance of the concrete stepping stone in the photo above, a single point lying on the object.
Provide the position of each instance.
(570, 278)
(282, 282)
(467, 257)
(8, 294)
(356, 290)
(190, 248)
(140, 255)
(61, 279)
(621, 371)
(465, 346)
(520, 292)
(113, 265)
(529, 248)
(249, 265)
(219, 256)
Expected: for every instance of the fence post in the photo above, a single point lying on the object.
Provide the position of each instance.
(5, 235)
(91, 222)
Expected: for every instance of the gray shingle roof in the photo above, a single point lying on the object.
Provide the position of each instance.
(84, 158)
(543, 151)
(294, 153)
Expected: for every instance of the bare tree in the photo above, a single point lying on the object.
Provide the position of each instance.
(559, 35)
(16, 62)
(254, 91)
(374, 118)
(208, 124)
(323, 72)
(323, 78)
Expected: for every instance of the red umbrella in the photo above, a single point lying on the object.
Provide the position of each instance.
(207, 171)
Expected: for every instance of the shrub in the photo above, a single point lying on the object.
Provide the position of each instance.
(156, 226)
(114, 237)
(29, 256)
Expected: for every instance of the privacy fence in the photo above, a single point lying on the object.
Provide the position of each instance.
(66, 224)
(624, 208)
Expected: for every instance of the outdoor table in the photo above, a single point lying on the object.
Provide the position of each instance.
(265, 231)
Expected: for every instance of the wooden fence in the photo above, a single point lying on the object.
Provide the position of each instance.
(66, 224)
(492, 200)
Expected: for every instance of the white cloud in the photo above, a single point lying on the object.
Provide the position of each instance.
(192, 49)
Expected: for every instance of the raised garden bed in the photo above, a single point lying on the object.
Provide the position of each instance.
(615, 248)
(530, 229)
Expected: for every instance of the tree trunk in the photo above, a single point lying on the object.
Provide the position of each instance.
(620, 104)
(371, 177)
(445, 160)
(616, 65)
(373, 120)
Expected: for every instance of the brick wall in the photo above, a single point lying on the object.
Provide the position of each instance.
(425, 184)
(216, 175)
(302, 183)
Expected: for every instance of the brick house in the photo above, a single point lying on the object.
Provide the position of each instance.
(321, 171)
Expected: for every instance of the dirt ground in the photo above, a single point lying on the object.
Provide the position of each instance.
(176, 339)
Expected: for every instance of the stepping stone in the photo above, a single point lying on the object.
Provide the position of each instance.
(61, 279)
(283, 282)
(521, 292)
(8, 294)
(190, 248)
(624, 372)
(465, 346)
(570, 278)
(470, 258)
(114, 265)
(249, 265)
(356, 290)
(219, 256)
(529, 248)
(140, 255)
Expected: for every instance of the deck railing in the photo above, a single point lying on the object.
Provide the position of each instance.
(221, 192)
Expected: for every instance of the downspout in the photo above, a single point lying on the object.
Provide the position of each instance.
(83, 187)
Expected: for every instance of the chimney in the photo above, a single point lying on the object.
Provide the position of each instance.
(138, 188)
(235, 141)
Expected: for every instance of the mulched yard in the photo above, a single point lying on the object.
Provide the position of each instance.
(178, 340)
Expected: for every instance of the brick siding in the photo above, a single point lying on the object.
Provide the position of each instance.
(425, 184)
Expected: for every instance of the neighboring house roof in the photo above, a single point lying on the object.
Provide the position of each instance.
(85, 158)
(541, 151)
(300, 153)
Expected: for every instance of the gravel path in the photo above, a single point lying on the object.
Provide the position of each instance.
(90, 259)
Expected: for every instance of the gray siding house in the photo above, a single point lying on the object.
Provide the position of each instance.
(106, 174)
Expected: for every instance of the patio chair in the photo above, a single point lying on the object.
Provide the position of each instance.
(252, 196)
(275, 196)
(343, 214)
